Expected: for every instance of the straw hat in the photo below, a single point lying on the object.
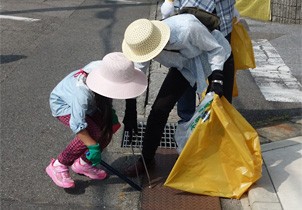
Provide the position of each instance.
(115, 77)
(145, 39)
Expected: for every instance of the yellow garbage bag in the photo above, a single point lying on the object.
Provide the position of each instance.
(222, 157)
(242, 49)
(256, 9)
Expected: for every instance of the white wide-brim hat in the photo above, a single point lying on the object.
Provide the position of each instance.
(145, 39)
(115, 77)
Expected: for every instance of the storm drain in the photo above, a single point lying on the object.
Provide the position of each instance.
(167, 140)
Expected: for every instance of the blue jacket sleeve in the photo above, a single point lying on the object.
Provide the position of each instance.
(79, 108)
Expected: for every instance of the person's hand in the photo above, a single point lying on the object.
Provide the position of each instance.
(130, 118)
(94, 154)
(167, 8)
(216, 83)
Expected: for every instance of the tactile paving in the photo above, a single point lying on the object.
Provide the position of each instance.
(159, 197)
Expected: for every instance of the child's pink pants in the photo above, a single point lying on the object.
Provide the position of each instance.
(76, 148)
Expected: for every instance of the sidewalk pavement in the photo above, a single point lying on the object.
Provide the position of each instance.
(280, 186)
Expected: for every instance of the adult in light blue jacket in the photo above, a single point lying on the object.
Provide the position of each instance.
(183, 44)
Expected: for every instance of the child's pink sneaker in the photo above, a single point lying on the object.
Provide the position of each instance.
(88, 170)
(60, 175)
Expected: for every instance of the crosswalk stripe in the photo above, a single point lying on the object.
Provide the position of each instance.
(272, 75)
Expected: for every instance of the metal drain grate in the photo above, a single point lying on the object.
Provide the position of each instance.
(167, 140)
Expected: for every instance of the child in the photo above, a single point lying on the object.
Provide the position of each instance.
(83, 101)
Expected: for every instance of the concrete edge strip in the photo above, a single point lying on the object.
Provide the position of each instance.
(281, 144)
(262, 194)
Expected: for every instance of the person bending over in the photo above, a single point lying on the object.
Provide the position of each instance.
(192, 54)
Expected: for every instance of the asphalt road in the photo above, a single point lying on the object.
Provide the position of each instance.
(35, 56)
(67, 35)
(286, 41)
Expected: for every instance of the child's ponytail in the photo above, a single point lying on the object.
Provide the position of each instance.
(104, 105)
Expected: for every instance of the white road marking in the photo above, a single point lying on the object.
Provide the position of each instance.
(126, 1)
(18, 18)
(272, 75)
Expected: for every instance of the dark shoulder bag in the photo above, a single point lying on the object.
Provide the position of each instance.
(211, 21)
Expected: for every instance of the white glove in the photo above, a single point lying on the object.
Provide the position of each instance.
(167, 8)
(236, 15)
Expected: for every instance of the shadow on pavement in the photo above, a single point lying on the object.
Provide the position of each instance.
(10, 58)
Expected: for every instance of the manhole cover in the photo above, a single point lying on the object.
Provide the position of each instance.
(167, 140)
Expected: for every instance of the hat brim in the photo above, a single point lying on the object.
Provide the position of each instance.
(98, 84)
(165, 36)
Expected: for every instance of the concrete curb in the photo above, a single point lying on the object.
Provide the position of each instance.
(263, 194)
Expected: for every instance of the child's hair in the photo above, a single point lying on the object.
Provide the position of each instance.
(104, 105)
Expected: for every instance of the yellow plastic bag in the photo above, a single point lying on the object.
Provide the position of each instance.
(256, 9)
(242, 50)
(242, 47)
(221, 158)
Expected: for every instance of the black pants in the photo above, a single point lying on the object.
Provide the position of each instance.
(170, 92)
(228, 75)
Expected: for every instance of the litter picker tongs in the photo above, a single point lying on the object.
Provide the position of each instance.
(131, 142)
(123, 177)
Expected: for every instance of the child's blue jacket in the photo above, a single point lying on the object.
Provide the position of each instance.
(72, 96)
